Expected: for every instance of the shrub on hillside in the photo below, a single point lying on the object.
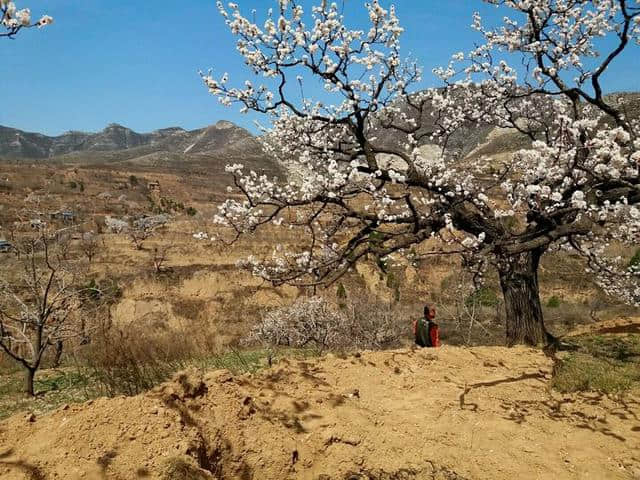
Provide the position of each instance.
(314, 322)
(483, 297)
(129, 362)
(553, 302)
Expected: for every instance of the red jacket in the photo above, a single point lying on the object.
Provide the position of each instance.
(434, 334)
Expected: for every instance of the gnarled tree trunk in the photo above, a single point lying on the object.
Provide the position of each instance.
(519, 282)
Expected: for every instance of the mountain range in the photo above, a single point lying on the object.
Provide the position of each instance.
(116, 143)
(219, 144)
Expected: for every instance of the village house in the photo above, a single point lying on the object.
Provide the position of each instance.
(153, 186)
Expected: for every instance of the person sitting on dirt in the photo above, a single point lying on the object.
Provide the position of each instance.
(425, 330)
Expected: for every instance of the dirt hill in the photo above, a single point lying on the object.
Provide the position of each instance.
(451, 413)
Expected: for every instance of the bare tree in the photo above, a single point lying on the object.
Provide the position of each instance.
(466, 312)
(145, 227)
(89, 245)
(159, 257)
(378, 168)
(40, 302)
(138, 235)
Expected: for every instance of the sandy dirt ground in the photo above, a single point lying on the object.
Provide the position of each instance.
(449, 413)
(614, 326)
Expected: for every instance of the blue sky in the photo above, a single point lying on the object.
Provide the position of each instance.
(135, 62)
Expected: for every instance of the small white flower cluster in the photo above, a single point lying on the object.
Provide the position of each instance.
(13, 19)
(287, 266)
(473, 241)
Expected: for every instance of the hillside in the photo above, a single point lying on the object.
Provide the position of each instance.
(172, 147)
(446, 414)
(476, 140)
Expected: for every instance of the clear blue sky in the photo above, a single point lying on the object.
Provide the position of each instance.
(135, 62)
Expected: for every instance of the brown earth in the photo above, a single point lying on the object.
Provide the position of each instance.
(450, 413)
(613, 326)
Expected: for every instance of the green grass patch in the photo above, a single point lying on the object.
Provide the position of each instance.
(54, 388)
(553, 302)
(603, 363)
(251, 361)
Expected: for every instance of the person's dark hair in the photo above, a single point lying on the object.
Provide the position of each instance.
(426, 311)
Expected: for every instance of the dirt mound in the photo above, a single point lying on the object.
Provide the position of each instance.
(450, 413)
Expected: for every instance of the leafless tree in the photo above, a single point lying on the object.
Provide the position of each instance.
(159, 257)
(139, 235)
(89, 245)
(464, 310)
(41, 302)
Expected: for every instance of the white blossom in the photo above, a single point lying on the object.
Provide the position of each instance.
(13, 19)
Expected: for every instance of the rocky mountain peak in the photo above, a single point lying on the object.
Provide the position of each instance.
(115, 126)
(224, 124)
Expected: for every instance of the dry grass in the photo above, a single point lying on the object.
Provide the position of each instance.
(127, 364)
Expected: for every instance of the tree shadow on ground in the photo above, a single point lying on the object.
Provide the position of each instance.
(105, 460)
(464, 405)
(215, 453)
(565, 409)
(559, 410)
(297, 412)
(619, 329)
(210, 456)
(32, 471)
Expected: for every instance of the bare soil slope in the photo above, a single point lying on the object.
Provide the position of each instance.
(451, 413)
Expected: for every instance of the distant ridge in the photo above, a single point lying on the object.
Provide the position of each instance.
(223, 137)
(225, 142)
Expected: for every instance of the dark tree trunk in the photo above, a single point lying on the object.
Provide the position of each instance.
(28, 381)
(58, 356)
(519, 282)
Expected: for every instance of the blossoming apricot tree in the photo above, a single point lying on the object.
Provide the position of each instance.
(14, 20)
(377, 168)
